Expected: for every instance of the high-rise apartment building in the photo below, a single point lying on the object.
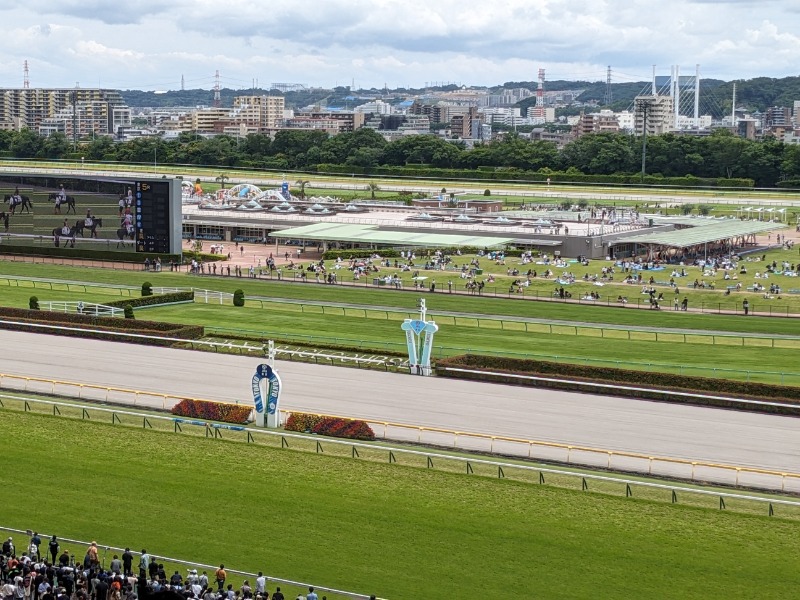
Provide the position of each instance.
(657, 112)
(260, 111)
(73, 111)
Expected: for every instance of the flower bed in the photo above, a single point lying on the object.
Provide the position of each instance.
(213, 411)
(332, 426)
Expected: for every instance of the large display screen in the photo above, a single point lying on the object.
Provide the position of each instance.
(153, 228)
(90, 213)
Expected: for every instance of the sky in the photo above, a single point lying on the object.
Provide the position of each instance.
(150, 44)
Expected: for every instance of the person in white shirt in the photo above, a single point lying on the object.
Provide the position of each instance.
(261, 583)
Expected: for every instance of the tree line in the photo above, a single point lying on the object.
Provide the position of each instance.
(720, 155)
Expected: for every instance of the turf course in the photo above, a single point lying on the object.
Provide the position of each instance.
(753, 359)
(370, 296)
(395, 531)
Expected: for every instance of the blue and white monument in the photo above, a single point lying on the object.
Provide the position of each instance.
(267, 400)
(419, 364)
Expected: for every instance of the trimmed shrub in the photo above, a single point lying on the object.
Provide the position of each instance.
(33, 303)
(129, 312)
(213, 411)
(503, 366)
(238, 298)
(154, 300)
(352, 429)
(100, 325)
(147, 289)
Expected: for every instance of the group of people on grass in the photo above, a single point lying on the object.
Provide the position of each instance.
(46, 571)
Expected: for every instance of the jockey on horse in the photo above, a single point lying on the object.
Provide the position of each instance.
(61, 198)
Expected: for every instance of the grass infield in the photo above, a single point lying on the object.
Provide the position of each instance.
(395, 531)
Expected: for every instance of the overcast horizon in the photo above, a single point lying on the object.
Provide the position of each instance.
(150, 44)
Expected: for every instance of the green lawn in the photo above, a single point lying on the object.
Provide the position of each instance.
(395, 531)
(748, 359)
(696, 358)
(371, 296)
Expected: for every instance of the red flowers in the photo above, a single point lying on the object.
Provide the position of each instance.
(332, 426)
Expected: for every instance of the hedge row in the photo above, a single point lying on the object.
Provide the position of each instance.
(102, 328)
(213, 411)
(512, 174)
(331, 426)
(421, 253)
(107, 322)
(153, 300)
(582, 374)
(111, 334)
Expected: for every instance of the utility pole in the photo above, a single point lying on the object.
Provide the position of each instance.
(75, 119)
(643, 105)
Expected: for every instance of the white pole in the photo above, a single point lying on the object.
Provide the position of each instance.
(655, 93)
(697, 97)
(677, 94)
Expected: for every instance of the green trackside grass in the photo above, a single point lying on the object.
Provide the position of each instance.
(395, 531)
(280, 321)
(370, 296)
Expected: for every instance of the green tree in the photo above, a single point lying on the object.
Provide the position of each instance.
(373, 187)
(302, 183)
(26, 144)
(100, 148)
(55, 145)
(221, 179)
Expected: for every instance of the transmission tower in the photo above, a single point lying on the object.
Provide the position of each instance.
(26, 82)
(182, 84)
(608, 98)
(217, 97)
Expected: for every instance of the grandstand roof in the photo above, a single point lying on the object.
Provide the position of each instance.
(711, 232)
(370, 234)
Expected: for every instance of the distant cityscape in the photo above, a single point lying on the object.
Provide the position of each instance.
(454, 112)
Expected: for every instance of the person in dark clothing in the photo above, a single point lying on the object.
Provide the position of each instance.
(127, 562)
(278, 595)
(53, 546)
(101, 590)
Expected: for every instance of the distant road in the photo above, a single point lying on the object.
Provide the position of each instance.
(620, 424)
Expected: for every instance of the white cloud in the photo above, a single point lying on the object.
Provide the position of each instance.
(399, 42)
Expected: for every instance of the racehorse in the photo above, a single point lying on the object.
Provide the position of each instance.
(58, 234)
(24, 202)
(69, 201)
(81, 226)
(123, 233)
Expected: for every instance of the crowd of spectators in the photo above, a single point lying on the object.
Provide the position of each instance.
(47, 571)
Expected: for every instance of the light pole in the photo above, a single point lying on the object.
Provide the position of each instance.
(643, 105)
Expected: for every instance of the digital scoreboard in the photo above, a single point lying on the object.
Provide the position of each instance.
(153, 229)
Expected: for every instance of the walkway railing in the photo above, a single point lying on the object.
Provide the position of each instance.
(178, 561)
(554, 452)
(85, 308)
